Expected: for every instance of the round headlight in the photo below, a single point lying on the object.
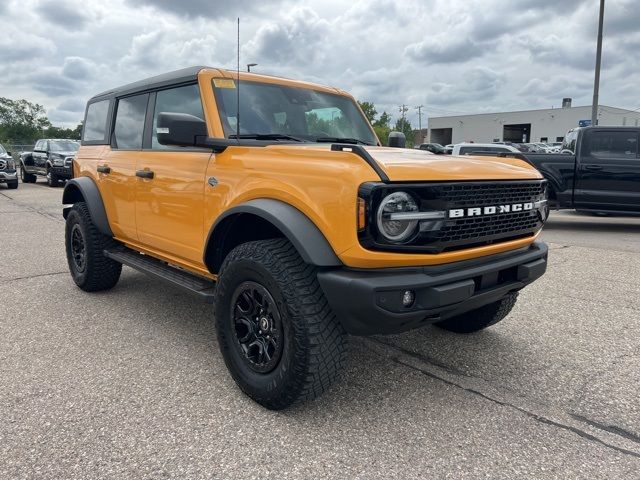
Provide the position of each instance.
(393, 227)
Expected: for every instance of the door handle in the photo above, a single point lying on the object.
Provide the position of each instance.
(144, 174)
(592, 168)
(104, 169)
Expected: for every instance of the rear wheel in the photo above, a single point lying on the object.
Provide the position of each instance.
(279, 338)
(89, 267)
(482, 317)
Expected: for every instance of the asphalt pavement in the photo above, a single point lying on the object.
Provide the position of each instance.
(129, 383)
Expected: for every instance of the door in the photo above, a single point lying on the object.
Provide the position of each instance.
(608, 172)
(117, 179)
(170, 189)
(40, 156)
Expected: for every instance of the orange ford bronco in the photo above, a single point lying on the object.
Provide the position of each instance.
(273, 200)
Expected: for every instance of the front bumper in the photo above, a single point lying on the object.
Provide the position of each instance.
(62, 172)
(369, 302)
(8, 176)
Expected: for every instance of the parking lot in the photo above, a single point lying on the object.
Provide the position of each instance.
(129, 383)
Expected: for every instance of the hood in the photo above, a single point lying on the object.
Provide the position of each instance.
(412, 165)
(71, 153)
(405, 165)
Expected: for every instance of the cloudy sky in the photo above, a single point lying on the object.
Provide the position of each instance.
(452, 56)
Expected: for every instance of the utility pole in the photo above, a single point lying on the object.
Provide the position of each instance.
(419, 108)
(403, 109)
(596, 82)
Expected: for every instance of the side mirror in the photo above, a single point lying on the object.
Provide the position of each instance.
(8, 153)
(397, 139)
(180, 129)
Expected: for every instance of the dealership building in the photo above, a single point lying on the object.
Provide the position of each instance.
(548, 125)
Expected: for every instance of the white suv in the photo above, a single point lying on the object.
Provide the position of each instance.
(482, 148)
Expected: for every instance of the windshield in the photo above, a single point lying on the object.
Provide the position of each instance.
(308, 115)
(2, 150)
(570, 141)
(63, 146)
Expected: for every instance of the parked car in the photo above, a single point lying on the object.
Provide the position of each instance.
(50, 158)
(482, 148)
(298, 235)
(598, 171)
(8, 172)
(448, 149)
(432, 147)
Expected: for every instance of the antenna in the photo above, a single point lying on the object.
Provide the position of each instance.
(238, 87)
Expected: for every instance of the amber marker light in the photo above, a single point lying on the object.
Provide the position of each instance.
(362, 219)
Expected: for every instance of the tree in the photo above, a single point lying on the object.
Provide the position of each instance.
(383, 121)
(404, 126)
(369, 110)
(21, 120)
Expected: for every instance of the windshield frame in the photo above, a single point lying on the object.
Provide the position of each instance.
(354, 114)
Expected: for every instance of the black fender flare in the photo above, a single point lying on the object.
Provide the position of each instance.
(305, 236)
(84, 189)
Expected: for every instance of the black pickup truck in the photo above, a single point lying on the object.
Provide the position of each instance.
(598, 170)
(51, 158)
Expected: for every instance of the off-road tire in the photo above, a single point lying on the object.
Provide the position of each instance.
(12, 185)
(99, 272)
(482, 317)
(52, 179)
(314, 346)
(27, 177)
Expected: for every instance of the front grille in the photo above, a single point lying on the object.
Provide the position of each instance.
(481, 194)
(449, 234)
(464, 232)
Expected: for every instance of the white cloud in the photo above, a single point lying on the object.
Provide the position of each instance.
(449, 55)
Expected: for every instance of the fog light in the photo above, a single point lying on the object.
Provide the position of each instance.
(407, 298)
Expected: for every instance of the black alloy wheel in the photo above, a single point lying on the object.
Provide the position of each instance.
(257, 324)
(78, 249)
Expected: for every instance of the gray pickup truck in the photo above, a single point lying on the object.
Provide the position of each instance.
(50, 158)
(8, 173)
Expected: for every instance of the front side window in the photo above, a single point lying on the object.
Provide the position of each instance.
(129, 125)
(95, 125)
(303, 113)
(176, 100)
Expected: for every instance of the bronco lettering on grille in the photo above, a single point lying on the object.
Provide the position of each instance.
(489, 210)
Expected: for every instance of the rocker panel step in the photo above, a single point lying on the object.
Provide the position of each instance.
(144, 263)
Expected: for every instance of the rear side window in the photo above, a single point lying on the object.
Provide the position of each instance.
(95, 125)
(129, 127)
(176, 100)
(614, 145)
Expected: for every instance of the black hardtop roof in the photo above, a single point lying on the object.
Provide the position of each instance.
(166, 79)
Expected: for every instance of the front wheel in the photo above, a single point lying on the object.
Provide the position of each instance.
(52, 178)
(26, 177)
(482, 317)
(90, 269)
(279, 338)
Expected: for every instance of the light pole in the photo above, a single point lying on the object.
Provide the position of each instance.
(403, 109)
(419, 108)
(249, 65)
(596, 81)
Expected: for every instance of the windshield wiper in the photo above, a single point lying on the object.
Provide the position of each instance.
(354, 141)
(266, 136)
